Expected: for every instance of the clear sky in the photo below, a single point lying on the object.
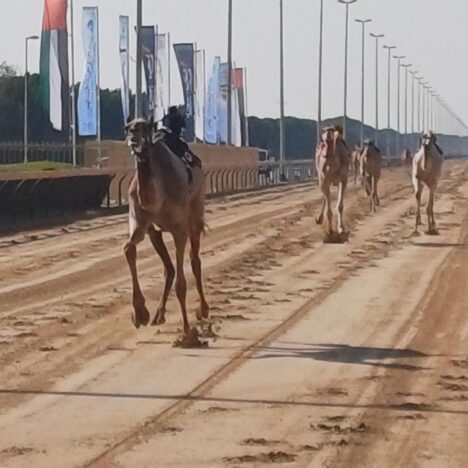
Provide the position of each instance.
(433, 34)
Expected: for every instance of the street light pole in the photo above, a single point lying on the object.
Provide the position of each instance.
(377, 38)
(406, 66)
(363, 45)
(229, 96)
(399, 59)
(29, 38)
(414, 73)
(138, 94)
(345, 110)
(282, 129)
(389, 49)
(320, 68)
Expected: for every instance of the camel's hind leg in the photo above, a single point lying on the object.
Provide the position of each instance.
(141, 315)
(197, 272)
(340, 206)
(432, 227)
(181, 283)
(418, 187)
(157, 240)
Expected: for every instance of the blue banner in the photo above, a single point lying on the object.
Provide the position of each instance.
(185, 59)
(211, 105)
(125, 65)
(148, 41)
(87, 96)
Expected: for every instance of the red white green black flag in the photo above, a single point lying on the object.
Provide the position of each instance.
(54, 63)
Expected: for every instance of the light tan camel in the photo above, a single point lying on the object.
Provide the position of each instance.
(355, 162)
(427, 169)
(370, 169)
(332, 162)
(164, 198)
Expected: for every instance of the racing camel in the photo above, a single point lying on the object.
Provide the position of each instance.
(332, 162)
(427, 169)
(355, 162)
(370, 165)
(165, 195)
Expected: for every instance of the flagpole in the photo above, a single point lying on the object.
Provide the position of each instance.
(247, 139)
(204, 92)
(229, 95)
(169, 69)
(138, 100)
(73, 103)
(98, 90)
(156, 55)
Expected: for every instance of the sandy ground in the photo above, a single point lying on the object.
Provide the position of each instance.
(320, 355)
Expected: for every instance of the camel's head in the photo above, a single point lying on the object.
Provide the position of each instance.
(428, 139)
(327, 134)
(139, 136)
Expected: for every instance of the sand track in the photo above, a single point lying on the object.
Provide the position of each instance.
(321, 356)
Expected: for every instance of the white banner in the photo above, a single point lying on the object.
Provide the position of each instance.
(222, 102)
(200, 94)
(125, 65)
(162, 75)
(87, 97)
(236, 131)
(211, 105)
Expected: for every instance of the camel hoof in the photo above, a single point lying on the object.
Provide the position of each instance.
(319, 220)
(203, 312)
(159, 319)
(144, 316)
(135, 320)
(433, 232)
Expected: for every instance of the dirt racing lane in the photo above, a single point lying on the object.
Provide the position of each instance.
(322, 353)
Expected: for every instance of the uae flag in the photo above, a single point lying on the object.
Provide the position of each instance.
(54, 63)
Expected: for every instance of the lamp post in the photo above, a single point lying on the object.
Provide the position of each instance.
(282, 129)
(320, 67)
(406, 67)
(399, 58)
(29, 38)
(363, 45)
(389, 49)
(377, 38)
(414, 73)
(420, 81)
(229, 96)
(139, 56)
(345, 110)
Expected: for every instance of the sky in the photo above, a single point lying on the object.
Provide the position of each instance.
(432, 34)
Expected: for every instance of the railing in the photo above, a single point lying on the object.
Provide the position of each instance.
(13, 153)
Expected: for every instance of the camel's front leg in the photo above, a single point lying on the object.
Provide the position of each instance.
(180, 241)
(319, 218)
(340, 206)
(373, 196)
(197, 272)
(157, 240)
(432, 228)
(141, 315)
(418, 192)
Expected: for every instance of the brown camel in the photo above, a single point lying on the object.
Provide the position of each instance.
(164, 197)
(370, 170)
(427, 169)
(355, 162)
(332, 162)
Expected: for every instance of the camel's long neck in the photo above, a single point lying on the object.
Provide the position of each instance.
(147, 189)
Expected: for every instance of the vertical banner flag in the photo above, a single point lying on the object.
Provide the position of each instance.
(185, 59)
(125, 65)
(238, 84)
(148, 41)
(87, 96)
(222, 102)
(200, 94)
(162, 75)
(211, 105)
(55, 92)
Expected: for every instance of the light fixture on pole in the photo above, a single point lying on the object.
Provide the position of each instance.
(345, 109)
(398, 58)
(363, 45)
(389, 50)
(29, 38)
(377, 37)
(406, 67)
(320, 68)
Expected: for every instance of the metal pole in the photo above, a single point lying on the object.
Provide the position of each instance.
(26, 98)
(345, 109)
(406, 66)
(363, 45)
(319, 105)
(138, 97)
(73, 103)
(389, 49)
(169, 69)
(412, 104)
(377, 37)
(247, 136)
(229, 96)
(399, 58)
(282, 129)
(98, 92)
(204, 92)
